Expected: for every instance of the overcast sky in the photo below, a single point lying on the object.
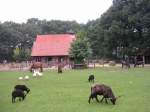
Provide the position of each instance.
(79, 10)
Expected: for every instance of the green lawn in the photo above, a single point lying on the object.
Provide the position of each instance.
(69, 92)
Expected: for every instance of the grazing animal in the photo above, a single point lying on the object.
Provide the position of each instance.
(18, 93)
(105, 91)
(125, 63)
(36, 65)
(23, 88)
(138, 60)
(91, 78)
(59, 68)
(137, 63)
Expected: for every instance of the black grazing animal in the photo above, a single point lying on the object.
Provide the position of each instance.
(23, 88)
(138, 60)
(18, 93)
(139, 63)
(125, 63)
(105, 91)
(91, 78)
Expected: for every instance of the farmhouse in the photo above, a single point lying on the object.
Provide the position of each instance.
(53, 48)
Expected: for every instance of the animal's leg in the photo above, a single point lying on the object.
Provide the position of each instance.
(106, 100)
(96, 98)
(143, 65)
(38, 73)
(90, 98)
(129, 65)
(41, 68)
(34, 74)
(134, 65)
(12, 99)
(102, 99)
(19, 99)
(23, 97)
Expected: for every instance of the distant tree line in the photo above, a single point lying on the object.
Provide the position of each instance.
(124, 29)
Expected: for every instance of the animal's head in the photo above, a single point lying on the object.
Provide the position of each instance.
(113, 100)
(28, 90)
(24, 96)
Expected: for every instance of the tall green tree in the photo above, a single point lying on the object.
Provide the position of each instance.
(80, 48)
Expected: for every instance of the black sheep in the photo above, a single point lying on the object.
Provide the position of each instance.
(91, 78)
(23, 88)
(103, 90)
(18, 93)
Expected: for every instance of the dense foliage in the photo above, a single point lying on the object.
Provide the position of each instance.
(80, 48)
(123, 29)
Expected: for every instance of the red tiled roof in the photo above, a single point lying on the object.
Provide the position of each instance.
(52, 45)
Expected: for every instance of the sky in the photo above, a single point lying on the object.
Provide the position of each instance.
(79, 10)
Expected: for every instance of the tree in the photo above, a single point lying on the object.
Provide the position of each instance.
(80, 48)
(16, 53)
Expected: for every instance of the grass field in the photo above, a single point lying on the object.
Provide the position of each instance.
(69, 92)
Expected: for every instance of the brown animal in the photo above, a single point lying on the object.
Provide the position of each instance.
(105, 91)
(59, 68)
(125, 63)
(36, 65)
